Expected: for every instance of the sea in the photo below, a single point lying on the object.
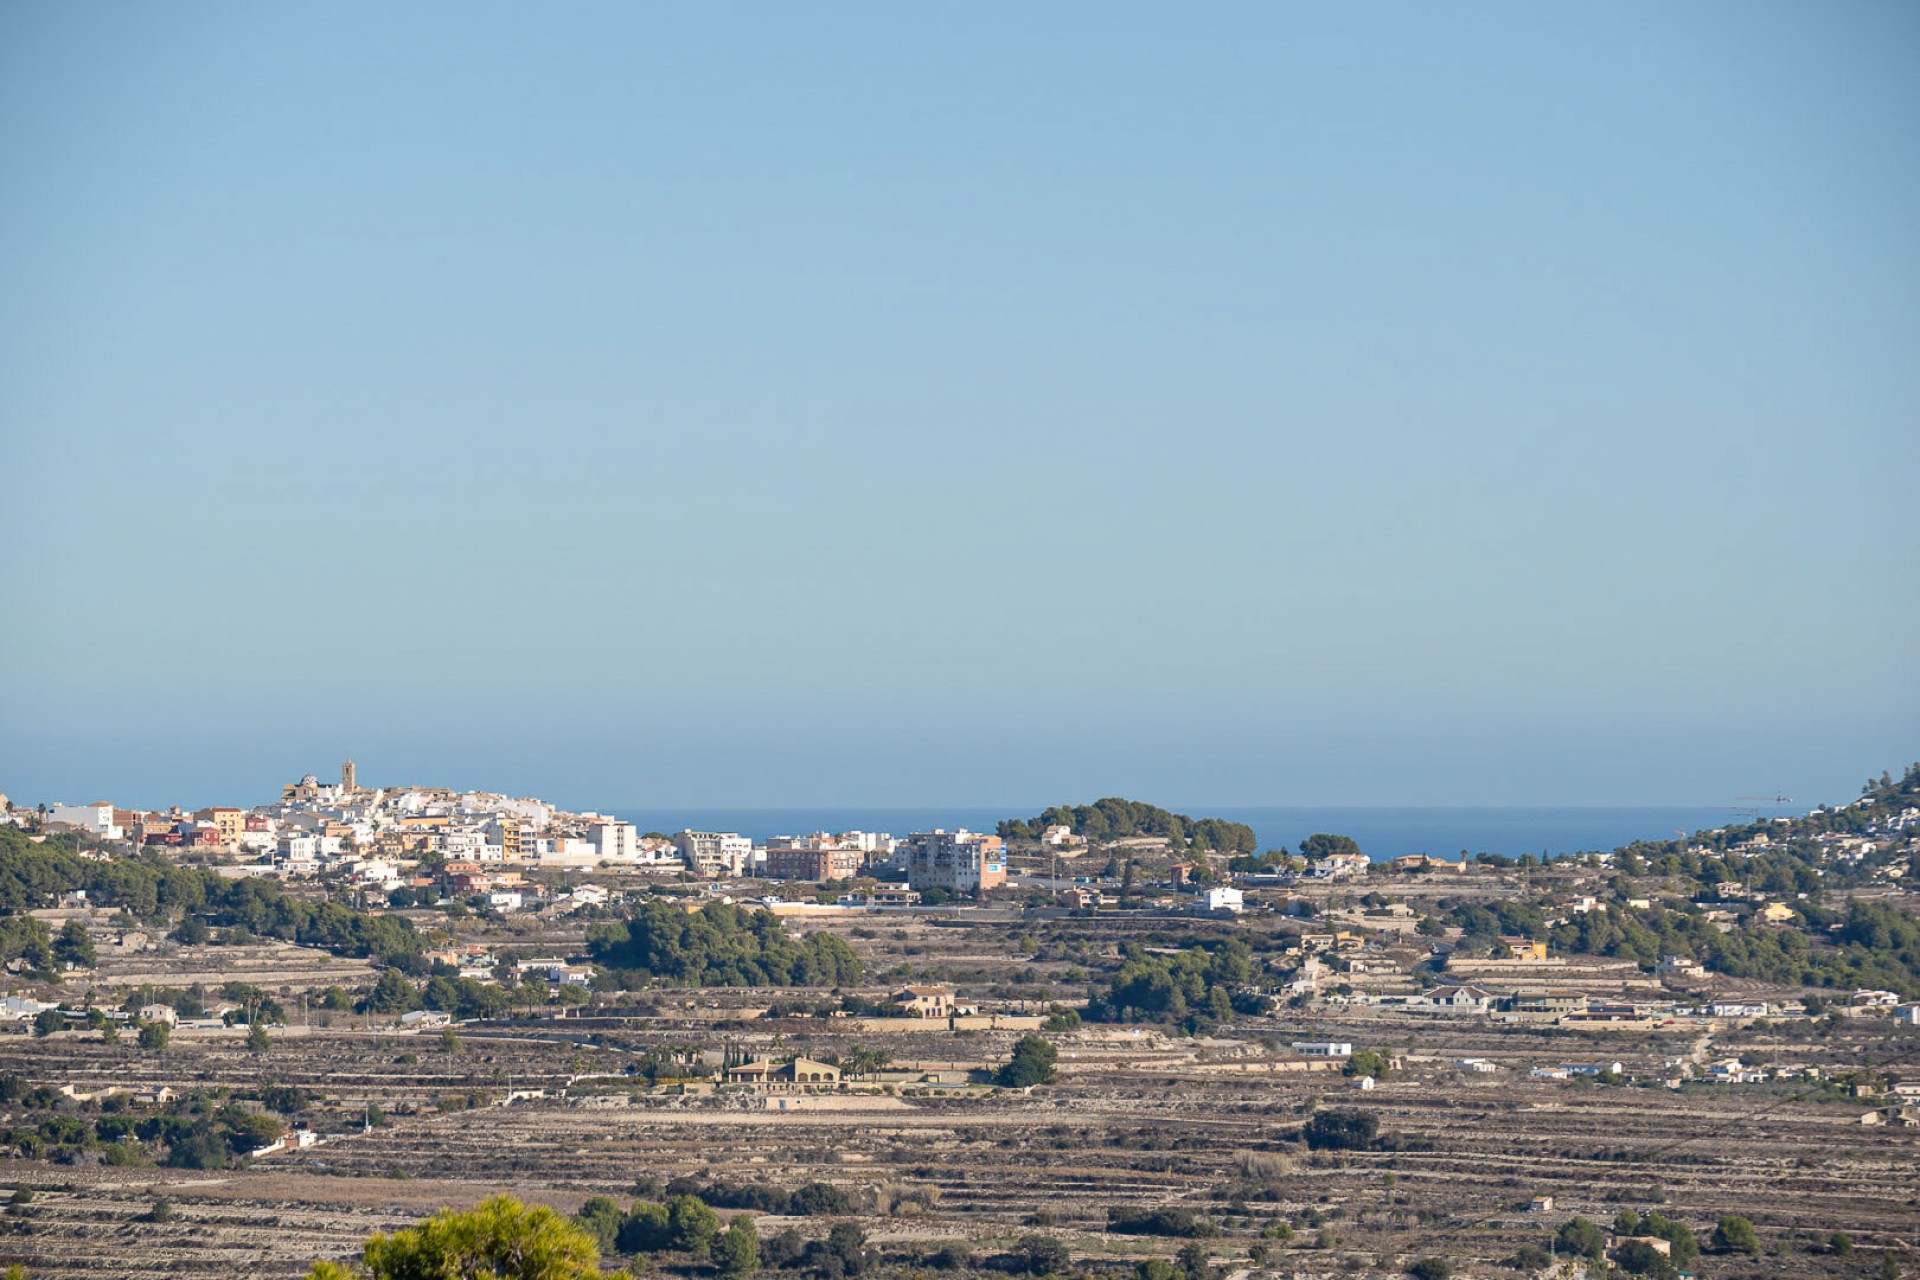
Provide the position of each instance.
(1380, 832)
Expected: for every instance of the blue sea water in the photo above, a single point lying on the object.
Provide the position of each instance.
(1380, 832)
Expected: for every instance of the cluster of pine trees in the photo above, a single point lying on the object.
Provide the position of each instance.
(1115, 818)
(719, 945)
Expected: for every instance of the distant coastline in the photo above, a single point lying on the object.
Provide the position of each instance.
(1381, 832)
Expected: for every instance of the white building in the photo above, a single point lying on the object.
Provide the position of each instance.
(467, 845)
(1339, 864)
(1323, 1048)
(615, 841)
(21, 1008)
(561, 851)
(1467, 998)
(95, 819)
(1224, 899)
(714, 853)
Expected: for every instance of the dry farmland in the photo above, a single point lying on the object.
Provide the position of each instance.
(550, 1110)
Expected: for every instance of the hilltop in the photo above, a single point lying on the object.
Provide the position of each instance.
(1115, 818)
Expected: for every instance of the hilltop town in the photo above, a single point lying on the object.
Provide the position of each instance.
(249, 1036)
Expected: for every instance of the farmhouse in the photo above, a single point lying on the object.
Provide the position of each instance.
(767, 1073)
(925, 1002)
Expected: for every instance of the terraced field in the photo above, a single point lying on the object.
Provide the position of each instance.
(1141, 1121)
(550, 1110)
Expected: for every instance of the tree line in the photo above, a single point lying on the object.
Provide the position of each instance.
(149, 888)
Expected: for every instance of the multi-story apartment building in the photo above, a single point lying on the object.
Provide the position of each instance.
(615, 841)
(714, 853)
(810, 862)
(504, 832)
(957, 861)
(96, 819)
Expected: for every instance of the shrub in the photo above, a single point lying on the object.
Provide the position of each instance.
(1735, 1235)
(1195, 1262)
(1581, 1239)
(1041, 1255)
(1638, 1258)
(1341, 1130)
(1366, 1063)
(736, 1251)
(953, 1255)
(1179, 1223)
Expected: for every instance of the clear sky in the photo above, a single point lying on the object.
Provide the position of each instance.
(768, 404)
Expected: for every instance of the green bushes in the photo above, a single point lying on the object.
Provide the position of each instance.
(1178, 1223)
(807, 1200)
(1735, 1234)
(1341, 1129)
(1580, 1238)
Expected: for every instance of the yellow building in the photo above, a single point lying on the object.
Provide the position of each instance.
(229, 823)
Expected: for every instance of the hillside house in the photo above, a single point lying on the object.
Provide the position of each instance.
(1680, 967)
(1546, 1000)
(1460, 999)
(925, 1002)
(766, 1073)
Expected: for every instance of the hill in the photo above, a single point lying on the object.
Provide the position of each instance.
(1115, 818)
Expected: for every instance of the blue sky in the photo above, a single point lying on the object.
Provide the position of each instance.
(758, 405)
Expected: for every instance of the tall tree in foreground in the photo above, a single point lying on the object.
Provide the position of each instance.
(501, 1239)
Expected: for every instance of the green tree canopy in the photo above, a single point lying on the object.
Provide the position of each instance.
(75, 946)
(500, 1239)
(1735, 1234)
(736, 1251)
(1342, 1129)
(1321, 845)
(1581, 1238)
(721, 945)
(1115, 818)
(1031, 1064)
